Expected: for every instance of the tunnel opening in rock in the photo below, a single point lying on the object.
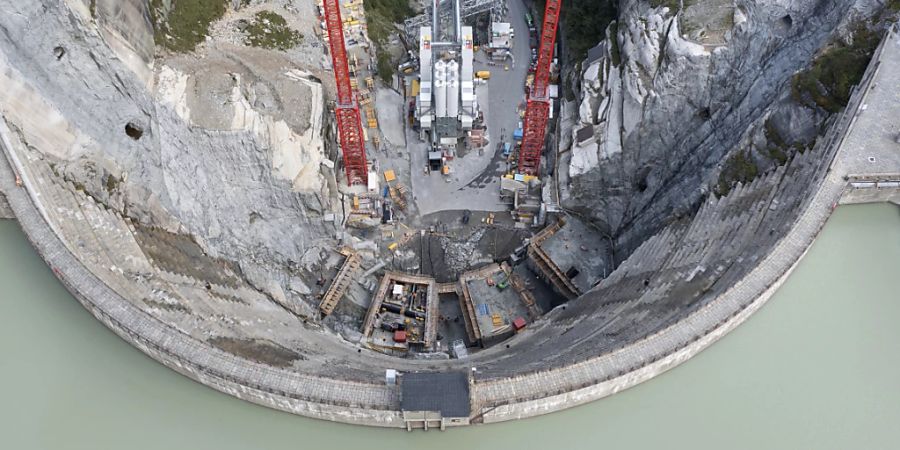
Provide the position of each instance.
(787, 21)
(134, 131)
(704, 113)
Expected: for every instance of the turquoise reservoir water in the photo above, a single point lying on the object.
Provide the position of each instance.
(818, 367)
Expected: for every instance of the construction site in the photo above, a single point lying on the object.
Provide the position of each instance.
(458, 213)
(422, 214)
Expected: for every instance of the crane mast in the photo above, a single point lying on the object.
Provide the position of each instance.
(346, 109)
(537, 111)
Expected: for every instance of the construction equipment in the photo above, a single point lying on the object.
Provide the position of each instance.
(398, 195)
(371, 120)
(537, 111)
(341, 282)
(346, 110)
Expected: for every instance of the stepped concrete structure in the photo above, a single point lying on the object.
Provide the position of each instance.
(677, 293)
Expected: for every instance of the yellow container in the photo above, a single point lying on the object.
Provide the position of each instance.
(483, 74)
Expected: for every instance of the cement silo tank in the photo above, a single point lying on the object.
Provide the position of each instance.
(440, 89)
(452, 89)
(440, 98)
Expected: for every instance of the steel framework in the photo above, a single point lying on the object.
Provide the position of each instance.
(468, 8)
(346, 108)
(537, 111)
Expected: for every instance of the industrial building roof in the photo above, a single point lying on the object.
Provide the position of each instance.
(447, 392)
(584, 134)
(594, 53)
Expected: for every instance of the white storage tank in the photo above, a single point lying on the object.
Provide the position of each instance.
(440, 98)
(452, 89)
(440, 89)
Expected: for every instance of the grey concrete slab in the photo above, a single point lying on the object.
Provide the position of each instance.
(577, 245)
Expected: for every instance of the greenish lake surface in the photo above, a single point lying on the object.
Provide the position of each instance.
(818, 367)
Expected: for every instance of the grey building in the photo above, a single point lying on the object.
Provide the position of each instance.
(435, 399)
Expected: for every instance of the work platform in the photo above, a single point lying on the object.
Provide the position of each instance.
(403, 314)
(341, 282)
(571, 256)
(493, 309)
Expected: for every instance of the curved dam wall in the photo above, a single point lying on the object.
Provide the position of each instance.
(378, 404)
(679, 292)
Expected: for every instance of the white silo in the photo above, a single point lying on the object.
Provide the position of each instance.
(440, 89)
(452, 89)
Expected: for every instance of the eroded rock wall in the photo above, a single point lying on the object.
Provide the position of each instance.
(675, 92)
(253, 191)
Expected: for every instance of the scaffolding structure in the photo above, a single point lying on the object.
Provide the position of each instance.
(346, 108)
(468, 8)
(537, 111)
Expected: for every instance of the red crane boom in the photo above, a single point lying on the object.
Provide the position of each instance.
(537, 111)
(346, 109)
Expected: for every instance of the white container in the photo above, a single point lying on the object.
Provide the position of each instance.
(452, 89)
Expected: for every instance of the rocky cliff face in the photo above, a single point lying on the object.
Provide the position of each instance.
(675, 89)
(174, 142)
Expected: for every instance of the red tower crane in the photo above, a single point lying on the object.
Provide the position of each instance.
(346, 109)
(537, 111)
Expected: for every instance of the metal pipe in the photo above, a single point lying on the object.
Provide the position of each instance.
(435, 13)
(458, 36)
(399, 309)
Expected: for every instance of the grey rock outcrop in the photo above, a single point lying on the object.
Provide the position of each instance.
(675, 93)
(78, 92)
(5, 211)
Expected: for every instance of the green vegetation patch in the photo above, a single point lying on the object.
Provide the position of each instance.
(828, 83)
(384, 67)
(185, 23)
(614, 44)
(585, 24)
(739, 168)
(112, 183)
(892, 6)
(381, 15)
(270, 30)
